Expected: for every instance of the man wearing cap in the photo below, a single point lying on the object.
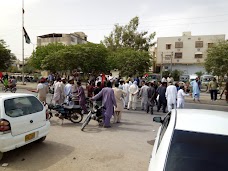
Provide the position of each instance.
(171, 96)
(42, 90)
(68, 91)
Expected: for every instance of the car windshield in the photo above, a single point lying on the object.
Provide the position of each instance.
(193, 151)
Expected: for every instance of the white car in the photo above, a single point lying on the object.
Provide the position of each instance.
(191, 140)
(23, 119)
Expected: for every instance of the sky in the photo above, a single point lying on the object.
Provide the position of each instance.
(96, 18)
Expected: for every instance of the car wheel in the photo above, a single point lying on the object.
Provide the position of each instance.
(41, 139)
(1, 155)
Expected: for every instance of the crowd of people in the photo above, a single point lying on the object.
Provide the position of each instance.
(116, 94)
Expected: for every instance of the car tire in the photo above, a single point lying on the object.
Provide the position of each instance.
(1, 155)
(41, 139)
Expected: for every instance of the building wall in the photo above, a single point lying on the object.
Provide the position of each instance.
(185, 68)
(67, 39)
(167, 56)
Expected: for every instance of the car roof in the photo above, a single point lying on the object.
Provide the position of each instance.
(205, 121)
(13, 95)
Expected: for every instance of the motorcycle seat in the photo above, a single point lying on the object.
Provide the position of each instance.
(72, 107)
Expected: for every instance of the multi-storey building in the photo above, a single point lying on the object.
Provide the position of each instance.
(67, 39)
(186, 53)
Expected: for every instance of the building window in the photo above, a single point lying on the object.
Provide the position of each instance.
(178, 55)
(197, 56)
(210, 45)
(178, 44)
(167, 57)
(168, 46)
(199, 44)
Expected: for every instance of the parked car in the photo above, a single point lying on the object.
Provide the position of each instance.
(23, 119)
(184, 78)
(191, 140)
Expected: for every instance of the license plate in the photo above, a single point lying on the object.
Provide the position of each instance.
(30, 136)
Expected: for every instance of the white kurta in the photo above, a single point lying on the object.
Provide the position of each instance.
(144, 94)
(57, 91)
(118, 96)
(171, 96)
(126, 90)
(180, 98)
(68, 92)
(133, 90)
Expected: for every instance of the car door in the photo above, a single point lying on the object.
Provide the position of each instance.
(24, 113)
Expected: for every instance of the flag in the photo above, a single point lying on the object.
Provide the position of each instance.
(27, 39)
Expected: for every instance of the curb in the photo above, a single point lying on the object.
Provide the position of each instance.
(208, 103)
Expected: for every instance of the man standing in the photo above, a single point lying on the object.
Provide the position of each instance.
(226, 91)
(81, 96)
(133, 90)
(108, 102)
(57, 91)
(195, 89)
(144, 95)
(96, 91)
(180, 97)
(161, 97)
(126, 90)
(213, 85)
(151, 94)
(118, 96)
(42, 90)
(171, 96)
(68, 91)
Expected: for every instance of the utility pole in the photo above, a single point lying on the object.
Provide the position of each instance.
(161, 69)
(23, 74)
(171, 64)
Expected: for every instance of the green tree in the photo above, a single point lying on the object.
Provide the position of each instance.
(128, 36)
(130, 62)
(217, 59)
(43, 51)
(199, 73)
(90, 58)
(6, 57)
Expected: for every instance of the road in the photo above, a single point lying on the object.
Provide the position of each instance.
(123, 147)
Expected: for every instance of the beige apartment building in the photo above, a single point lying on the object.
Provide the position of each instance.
(186, 53)
(67, 39)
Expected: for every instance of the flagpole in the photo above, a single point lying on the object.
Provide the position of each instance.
(23, 74)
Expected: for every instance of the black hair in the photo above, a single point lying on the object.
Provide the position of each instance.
(109, 84)
(99, 84)
(79, 83)
(116, 85)
(182, 87)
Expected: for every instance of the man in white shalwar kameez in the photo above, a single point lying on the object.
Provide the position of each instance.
(171, 96)
(144, 95)
(180, 97)
(133, 91)
(57, 91)
(68, 92)
(126, 90)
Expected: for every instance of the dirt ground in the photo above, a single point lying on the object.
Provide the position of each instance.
(123, 147)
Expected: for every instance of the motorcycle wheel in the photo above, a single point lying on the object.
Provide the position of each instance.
(13, 90)
(88, 118)
(76, 117)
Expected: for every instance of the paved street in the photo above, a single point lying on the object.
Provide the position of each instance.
(123, 147)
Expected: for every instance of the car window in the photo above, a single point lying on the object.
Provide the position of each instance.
(194, 151)
(164, 127)
(22, 106)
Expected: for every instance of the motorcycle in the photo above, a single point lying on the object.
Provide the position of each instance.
(12, 89)
(72, 113)
(95, 114)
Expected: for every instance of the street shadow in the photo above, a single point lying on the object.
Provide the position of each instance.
(41, 155)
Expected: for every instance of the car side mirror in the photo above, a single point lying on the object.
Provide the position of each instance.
(158, 119)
